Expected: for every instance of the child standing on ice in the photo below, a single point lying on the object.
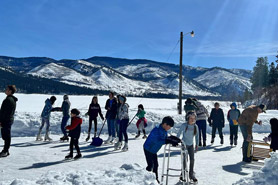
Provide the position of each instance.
(142, 122)
(189, 130)
(74, 133)
(233, 115)
(154, 142)
(93, 112)
(273, 136)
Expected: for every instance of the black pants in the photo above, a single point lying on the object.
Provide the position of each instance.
(6, 136)
(91, 122)
(122, 130)
(152, 162)
(219, 128)
(233, 132)
(74, 142)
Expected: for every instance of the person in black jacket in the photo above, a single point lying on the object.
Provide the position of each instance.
(111, 107)
(217, 121)
(74, 133)
(7, 118)
(94, 110)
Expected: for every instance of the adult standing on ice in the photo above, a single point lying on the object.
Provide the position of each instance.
(7, 118)
(124, 119)
(111, 107)
(217, 122)
(246, 121)
(202, 115)
(45, 116)
(65, 109)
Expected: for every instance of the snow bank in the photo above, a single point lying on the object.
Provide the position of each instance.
(267, 175)
(128, 174)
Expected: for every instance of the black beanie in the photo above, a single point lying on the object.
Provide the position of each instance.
(52, 99)
(75, 111)
(168, 120)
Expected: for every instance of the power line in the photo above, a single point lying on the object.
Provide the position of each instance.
(173, 50)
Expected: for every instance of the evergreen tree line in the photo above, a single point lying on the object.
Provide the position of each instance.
(264, 83)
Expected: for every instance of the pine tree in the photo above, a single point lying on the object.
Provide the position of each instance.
(272, 77)
(260, 73)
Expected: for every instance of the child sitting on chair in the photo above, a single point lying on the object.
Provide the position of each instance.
(188, 130)
(273, 136)
(154, 142)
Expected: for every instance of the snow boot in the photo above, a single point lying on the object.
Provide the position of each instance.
(231, 142)
(108, 140)
(46, 137)
(145, 136)
(78, 156)
(118, 145)
(212, 140)
(88, 138)
(4, 154)
(235, 141)
(222, 141)
(138, 134)
(200, 143)
(125, 148)
(64, 138)
(69, 156)
(204, 144)
(39, 138)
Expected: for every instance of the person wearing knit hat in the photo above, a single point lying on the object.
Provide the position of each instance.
(74, 130)
(188, 131)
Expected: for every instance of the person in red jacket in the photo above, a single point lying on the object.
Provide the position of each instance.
(74, 133)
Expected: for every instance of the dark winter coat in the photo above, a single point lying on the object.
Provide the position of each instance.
(47, 109)
(217, 117)
(111, 110)
(65, 108)
(94, 110)
(75, 127)
(156, 139)
(248, 117)
(7, 110)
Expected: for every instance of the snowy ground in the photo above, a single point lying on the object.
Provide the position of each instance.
(34, 162)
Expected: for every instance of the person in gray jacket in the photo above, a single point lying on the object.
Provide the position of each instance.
(65, 109)
(124, 119)
(188, 131)
(202, 115)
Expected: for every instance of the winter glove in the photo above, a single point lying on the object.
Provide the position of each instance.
(86, 114)
(172, 140)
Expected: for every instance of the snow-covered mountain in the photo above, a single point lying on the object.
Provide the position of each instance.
(133, 77)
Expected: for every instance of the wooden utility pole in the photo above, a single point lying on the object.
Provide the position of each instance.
(180, 76)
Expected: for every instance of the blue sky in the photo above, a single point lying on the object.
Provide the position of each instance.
(229, 33)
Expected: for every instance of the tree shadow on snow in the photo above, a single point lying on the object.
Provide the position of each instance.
(235, 168)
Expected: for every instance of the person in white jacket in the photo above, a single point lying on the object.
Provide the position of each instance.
(124, 119)
(188, 131)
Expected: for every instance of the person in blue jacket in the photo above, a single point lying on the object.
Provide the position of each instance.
(154, 142)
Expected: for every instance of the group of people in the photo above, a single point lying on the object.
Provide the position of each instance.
(117, 118)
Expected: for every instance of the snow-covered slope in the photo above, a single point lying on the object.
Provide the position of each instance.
(224, 79)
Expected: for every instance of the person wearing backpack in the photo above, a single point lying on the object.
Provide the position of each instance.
(188, 131)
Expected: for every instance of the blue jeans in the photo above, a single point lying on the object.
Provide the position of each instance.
(63, 124)
(111, 127)
(122, 131)
(45, 121)
(202, 126)
(245, 143)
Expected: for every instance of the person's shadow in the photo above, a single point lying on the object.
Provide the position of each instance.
(235, 168)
